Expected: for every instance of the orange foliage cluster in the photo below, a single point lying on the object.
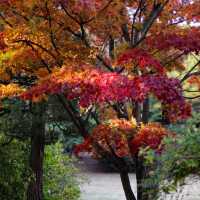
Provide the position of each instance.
(90, 87)
(121, 138)
(110, 138)
(150, 135)
(68, 38)
(175, 112)
(10, 90)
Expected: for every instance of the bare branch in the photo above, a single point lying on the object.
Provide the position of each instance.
(157, 9)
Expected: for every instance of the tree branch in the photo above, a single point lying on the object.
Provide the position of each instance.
(189, 74)
(157, 9)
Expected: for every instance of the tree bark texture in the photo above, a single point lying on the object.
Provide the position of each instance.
(35, 188)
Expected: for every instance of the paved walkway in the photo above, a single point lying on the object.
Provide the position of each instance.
(107, 186)
(103, 185)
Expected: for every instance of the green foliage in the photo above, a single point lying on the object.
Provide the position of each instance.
(17, 121)
(60, 181)
(14, 171)
(181, 155)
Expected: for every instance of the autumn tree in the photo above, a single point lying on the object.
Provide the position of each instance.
(108, 57)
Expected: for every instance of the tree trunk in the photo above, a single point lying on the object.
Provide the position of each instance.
(141, 174)
(127, 186)
(145, 111)
(35, 188)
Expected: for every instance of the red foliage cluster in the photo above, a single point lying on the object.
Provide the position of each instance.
(169, 92)
(102, 87)
(177, 110)
(186, 42)
(4, 2)
(111, 138)
(119, 138)
(92, 87)
(141, 58)
(150, 135)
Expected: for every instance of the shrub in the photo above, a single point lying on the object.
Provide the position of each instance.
(14, 171)
(181, 156)
(60, 181)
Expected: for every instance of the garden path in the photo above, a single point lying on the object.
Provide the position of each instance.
(102, 185)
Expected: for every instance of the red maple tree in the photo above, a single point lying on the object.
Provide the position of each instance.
(104, 53)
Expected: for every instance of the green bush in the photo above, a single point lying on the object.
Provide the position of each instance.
(14, 171)
(60, 181)
(181, 156)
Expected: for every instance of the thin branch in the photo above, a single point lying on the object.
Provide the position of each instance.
(29, 43)
(195, 91)
(50, 27)
(189, 74)
(5, 20)
(124, 28)
(157, 9)
(195, 97)
(76, 120)
(105, 64)
(84, 36)
(173, 59)
(69, 15)
(21, 15)
(133, 22)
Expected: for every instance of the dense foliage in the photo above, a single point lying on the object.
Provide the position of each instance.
(60, 179)
(14, 169)
(179, 158)
(97, 55)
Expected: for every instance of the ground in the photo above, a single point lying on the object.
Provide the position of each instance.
(107, 186)
(102, 185)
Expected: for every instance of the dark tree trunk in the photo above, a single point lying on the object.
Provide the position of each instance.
(111, 47)
(35, 188)
(141, 174)
(137, 112)
(127, 186)
(145, 111)
(141, 113)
